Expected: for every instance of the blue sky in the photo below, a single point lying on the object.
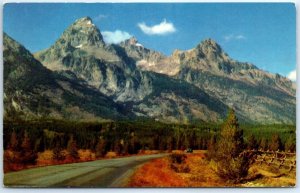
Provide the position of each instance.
(260, 33)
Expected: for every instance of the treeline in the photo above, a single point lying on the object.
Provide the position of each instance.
(27, 138)
(123, 137)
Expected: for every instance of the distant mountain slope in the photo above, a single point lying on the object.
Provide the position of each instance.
(257, 96)
(175, 100)
(32, 91)
(197, 84)
(111, 69)
(81, 49)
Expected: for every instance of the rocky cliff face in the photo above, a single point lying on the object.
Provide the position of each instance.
(194, 85)
(81, 49)
(111, 69)
(32, 91)
(139, 53)
(257, 96)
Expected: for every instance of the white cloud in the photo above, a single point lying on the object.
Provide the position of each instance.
(234, 37)
(115, 37)
(292, 75)
(163, 28)
(100, 17)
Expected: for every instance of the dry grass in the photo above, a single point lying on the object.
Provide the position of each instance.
(156, 173)
(270, 177)
(201, 175)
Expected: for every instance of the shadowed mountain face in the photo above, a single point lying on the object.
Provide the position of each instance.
(111, 69)
(32, 91)
(256, 95)
(194, 85)
(81, 49)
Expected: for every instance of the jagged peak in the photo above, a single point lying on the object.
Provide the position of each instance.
(132, 42)
(209, 41)
(84, 21)
(86, 18)
(83, 32)
(209, 44)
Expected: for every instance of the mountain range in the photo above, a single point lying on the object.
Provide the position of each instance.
(82, 77)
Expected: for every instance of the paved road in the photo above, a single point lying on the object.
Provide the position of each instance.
(101, 173)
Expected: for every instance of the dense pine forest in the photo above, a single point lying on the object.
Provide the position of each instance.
(25, 140)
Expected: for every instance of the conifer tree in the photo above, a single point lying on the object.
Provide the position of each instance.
(229, 161)
(252, 143)
(170, 143)
(290, 144)
(211, 149)
(58, 153)
(28, 155)
(13, 143)
(72, 148)
(231, 142)
(275, 143)
(100, 148)
(263, 144)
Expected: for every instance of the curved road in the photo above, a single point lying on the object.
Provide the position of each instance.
(100, 173)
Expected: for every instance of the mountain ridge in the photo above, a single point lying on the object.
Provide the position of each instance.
(32, 91)
(188, 85)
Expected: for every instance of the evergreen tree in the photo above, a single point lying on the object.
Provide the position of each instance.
(252, 143)
(72, 148)
(132, 148)
(229, 160)
(39, 145)
(231, 142)
(28, 155)
(170, 144)
(264, 144)
(211, 149)
(290, 144)
(275, 143)
(100, 148)
(13, 143)
(118, 147)
(58, 153)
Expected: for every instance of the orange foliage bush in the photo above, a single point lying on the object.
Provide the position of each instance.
(156, 173)
(45, 158)
(86, 155)
(111, 154)
(10, 161)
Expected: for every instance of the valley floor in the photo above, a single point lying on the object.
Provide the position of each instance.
(159, 173)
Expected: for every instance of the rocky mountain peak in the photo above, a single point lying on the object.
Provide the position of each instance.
(209, 47)
(83, 20)
(83, 32)
(131, 42)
